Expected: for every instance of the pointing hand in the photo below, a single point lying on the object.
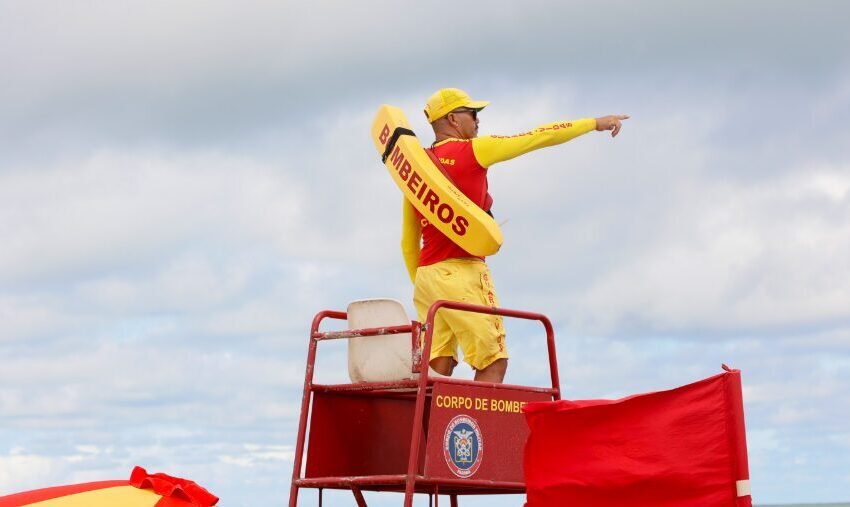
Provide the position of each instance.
(611, 122)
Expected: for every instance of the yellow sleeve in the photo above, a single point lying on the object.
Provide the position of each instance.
(490, 150)
(411, 232)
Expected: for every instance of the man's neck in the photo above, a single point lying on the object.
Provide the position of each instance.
(443, 134)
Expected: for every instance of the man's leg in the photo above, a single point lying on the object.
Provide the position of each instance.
(494, 372)
(444, 365)
(482, 336)
(430, 285)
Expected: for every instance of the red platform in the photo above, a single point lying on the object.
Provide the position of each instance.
(431, 435)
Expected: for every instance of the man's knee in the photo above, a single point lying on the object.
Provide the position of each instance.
(444, 365)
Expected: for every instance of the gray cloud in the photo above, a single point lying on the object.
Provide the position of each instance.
(216, 73)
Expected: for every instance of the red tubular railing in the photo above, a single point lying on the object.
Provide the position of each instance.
(423, 378)
(305, 400)
(357, 333)
(420, 365)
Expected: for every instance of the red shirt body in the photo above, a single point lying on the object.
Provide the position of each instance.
(470, 177)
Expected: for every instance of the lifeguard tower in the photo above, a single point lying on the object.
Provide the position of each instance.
(399, 426)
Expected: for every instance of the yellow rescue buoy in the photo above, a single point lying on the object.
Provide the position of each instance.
(428, 189)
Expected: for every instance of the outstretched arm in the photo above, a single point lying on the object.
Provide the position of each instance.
(490, 150)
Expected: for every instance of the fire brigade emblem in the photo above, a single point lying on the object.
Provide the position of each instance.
(463, 446)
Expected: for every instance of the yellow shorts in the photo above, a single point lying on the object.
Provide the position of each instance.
(481, 336)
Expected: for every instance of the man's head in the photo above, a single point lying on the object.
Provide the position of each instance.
(452, 113)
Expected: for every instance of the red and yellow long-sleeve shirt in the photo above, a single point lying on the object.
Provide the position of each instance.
(467, 161)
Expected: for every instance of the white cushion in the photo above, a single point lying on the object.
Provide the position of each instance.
(382, 358)
(378, 358)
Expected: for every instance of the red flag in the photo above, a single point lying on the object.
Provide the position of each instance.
(682, 447)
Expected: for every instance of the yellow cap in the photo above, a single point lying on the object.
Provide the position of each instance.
(447, 100)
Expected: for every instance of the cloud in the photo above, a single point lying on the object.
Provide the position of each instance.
(220, 74)
(739, 267)
(19, 471)
(254, 453)
(117, 208)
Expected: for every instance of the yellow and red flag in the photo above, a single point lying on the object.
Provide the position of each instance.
(141, 490)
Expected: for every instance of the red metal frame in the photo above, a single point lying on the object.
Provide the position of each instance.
(410, 482)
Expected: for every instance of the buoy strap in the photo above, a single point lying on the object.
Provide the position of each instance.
(399, 131)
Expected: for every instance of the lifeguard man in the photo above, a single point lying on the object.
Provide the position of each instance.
(442, 270)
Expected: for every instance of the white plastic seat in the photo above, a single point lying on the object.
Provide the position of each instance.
(383, 358)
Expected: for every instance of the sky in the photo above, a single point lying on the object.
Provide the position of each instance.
(183, 185)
